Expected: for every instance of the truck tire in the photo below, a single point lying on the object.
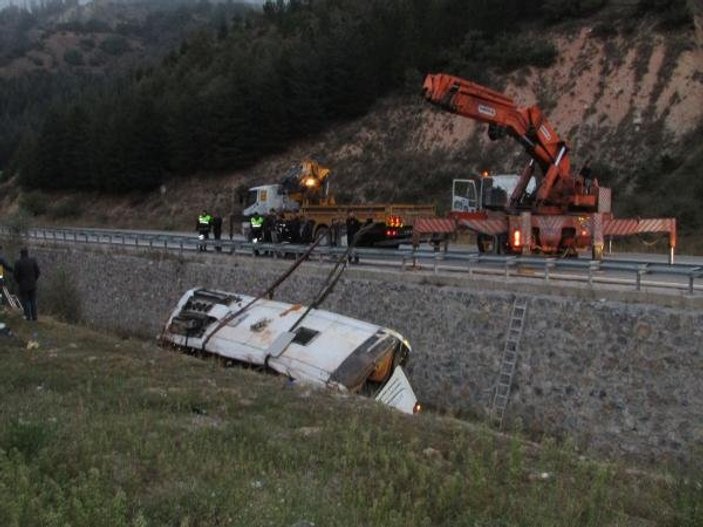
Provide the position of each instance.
(484, 243)
(567, 244)
(501, 243)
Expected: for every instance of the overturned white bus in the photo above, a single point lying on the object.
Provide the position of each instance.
(308, 345)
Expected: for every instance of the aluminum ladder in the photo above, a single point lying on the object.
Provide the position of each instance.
(11, 299)
(511, 351)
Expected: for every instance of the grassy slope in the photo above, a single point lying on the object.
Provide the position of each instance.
(97, 430)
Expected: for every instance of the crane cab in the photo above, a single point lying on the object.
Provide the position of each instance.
(484, 192)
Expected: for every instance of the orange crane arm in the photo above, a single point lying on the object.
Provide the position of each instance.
(527, 125)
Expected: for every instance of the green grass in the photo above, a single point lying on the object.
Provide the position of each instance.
(98, 430)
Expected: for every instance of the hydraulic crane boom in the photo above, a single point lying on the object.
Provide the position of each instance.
(308, 180)
(557, 190)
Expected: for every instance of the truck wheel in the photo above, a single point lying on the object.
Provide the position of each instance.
(483, 242)
(501, 243)
(567, 244)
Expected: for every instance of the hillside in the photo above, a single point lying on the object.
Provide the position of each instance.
(54, 52)
(624, 92)
(101, 430)
(99, 37)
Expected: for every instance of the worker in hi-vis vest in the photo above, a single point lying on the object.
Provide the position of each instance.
(203, 228)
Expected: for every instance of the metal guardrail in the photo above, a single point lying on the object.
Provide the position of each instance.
(686, 276)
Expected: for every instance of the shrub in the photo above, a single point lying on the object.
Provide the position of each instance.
(28, 438)
(18, 223)
(73, 57)
(87, 44)
(68, 208)
(61, 297)
(604, 30)
(114, 45)
(35, 202)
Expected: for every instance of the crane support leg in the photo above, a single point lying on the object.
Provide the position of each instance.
(597, 237)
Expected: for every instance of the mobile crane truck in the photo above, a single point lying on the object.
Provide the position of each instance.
(304, 192)
(551, 210)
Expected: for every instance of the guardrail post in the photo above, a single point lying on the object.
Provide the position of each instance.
(474, 259)
(548, 265)
(641, 271)
(436, 262)
(592, 266)
(402, 263)
(695, 273)
(509, 262)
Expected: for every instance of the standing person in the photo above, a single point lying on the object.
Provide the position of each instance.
(203, 228)
(217, 231)
(353, 226)
(26, 275)
(333, 233)
(3, 266)
(587, 175)
(294, 227)
(281, 227)
(270, 226)
(256, 224)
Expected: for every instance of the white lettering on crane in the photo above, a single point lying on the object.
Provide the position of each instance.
(486, 110)
(543, 130)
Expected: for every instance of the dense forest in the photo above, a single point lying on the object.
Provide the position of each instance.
(246, 83)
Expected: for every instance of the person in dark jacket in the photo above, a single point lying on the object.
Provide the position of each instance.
(26, 274)
(353, 225)
(269, 226)
(217, 230)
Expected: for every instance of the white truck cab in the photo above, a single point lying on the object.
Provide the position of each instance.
(479, 193)
(263, 198)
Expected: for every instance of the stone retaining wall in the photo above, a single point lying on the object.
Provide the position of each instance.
(620, 377)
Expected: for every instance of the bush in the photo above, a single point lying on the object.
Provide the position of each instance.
(604, 30)
(36, 203)
(114, 45)
(18, 223)
(61, 297)
(68, 208)
(73, 57)
(87, 44)
(28, 438)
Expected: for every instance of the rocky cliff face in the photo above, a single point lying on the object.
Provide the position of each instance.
(623, 100)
